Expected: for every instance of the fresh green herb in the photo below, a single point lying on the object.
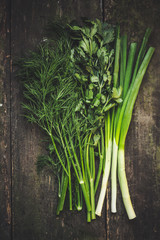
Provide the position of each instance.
(81, 92)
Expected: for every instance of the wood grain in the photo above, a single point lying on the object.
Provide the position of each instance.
(5, 149)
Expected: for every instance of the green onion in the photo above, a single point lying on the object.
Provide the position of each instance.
(124, 129)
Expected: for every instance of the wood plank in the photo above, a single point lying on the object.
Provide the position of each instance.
(34, 197)
(5, 164)
(142, 148)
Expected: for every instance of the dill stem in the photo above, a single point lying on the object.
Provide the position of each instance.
(68, 166)
(63, 195)
(57, 153)
(79, 198)
(81, 180)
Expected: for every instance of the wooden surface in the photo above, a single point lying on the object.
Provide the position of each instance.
(28, 201)
(5, 110)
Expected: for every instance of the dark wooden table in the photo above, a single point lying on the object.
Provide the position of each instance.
(28, 201)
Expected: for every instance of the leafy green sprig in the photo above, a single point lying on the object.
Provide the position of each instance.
(92, 61)
(93, 64)
(49, 98)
